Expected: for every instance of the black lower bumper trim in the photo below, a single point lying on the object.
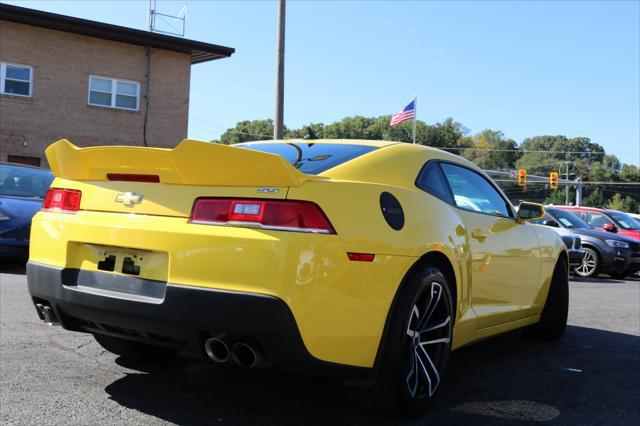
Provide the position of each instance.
(184, 318)
(575, 259)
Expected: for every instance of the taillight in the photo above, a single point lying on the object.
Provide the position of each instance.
(301, 216)
(66, 200)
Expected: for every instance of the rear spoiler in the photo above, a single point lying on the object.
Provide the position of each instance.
(190, 163)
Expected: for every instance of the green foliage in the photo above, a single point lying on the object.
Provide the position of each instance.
(245, 131)
(626, 204)
(557, 197)
(595, 199)
(490, 150)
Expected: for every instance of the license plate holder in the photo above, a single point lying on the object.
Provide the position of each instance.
(144, 264)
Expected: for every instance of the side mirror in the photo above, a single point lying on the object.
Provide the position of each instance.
(610, 227)
(550, 222)
(530, 211)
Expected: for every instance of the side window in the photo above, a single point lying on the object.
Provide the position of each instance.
(431, 180)
(596, 219)
(473, 192)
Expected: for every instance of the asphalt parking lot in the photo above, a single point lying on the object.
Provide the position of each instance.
(592, 376)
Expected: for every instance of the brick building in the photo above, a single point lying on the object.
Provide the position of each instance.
(86, 81)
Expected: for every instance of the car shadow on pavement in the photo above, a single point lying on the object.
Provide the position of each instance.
(579, 380)
(17, 267)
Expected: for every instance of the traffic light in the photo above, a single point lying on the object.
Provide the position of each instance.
(522, 177)
(553, 180)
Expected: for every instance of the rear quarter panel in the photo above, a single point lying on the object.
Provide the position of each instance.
(431, 225)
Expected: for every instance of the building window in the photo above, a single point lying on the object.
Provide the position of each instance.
(112, 93)
(15, 79)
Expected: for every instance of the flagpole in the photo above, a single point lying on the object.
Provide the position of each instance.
(415, 116)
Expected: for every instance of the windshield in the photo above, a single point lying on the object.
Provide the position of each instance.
(25, 182)
(625, 221)
(312, 158)
(568, 220)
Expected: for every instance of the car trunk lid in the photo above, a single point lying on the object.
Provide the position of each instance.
(159, 181)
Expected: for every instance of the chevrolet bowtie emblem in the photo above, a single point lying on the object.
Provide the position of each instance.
(129, 199)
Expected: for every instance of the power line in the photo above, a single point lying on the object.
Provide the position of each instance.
(528, 151)
(574, 182)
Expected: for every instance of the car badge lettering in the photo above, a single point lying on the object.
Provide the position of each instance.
(129, 199)
(268, 190)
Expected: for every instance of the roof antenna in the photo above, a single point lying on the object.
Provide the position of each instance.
(311, 135)
(174, 25)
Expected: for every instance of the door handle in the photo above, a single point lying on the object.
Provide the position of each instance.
(478, 235)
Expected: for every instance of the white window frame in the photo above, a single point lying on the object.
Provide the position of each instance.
(114, 87)
(3, 78)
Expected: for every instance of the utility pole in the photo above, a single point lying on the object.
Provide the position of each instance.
(579, 192)
(278, 125)
(566, 187)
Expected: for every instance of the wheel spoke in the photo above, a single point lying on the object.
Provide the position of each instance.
(415, 313)
(413, 375)
(428, 369)
(436, 296)
(432, 327)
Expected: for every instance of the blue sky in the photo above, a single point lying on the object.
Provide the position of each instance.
(524, 67)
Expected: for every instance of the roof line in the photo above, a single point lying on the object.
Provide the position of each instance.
(200, 51)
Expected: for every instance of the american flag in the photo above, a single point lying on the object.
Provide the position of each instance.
(407, 113)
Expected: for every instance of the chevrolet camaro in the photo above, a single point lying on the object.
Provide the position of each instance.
(365, 260)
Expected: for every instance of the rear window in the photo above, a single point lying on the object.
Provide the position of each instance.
(312, 158)
(25, 182)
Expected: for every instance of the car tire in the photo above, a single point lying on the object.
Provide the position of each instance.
(553, 320)
(416, 349)
(134, 350)
(591, 263)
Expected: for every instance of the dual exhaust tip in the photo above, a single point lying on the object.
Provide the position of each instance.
(46, 314)
(242, 353)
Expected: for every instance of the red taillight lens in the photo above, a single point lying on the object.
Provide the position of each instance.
(361, 257)
(67, 200)
(286, 215)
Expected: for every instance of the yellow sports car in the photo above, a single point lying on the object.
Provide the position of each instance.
(365, 260)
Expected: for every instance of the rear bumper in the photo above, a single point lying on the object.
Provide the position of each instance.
(340, 307)
(181, 317)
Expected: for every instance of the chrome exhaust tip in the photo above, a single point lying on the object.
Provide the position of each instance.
(245, 355)
(47, 314)
(216, 349)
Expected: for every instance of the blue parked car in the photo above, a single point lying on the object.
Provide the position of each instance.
(22, 190)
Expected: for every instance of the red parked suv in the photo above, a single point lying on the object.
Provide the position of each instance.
(607, 220)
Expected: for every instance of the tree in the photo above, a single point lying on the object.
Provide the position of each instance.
(595, 199)
(580, 152)
(490, 150)
(629, 173)
(625, 204)
(245, 131)
(556, 196)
